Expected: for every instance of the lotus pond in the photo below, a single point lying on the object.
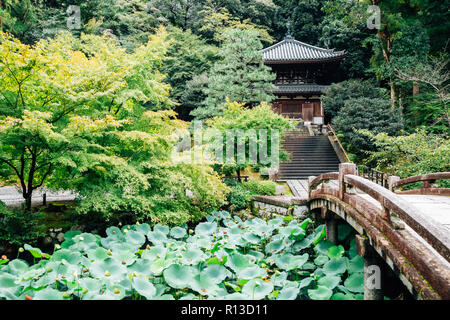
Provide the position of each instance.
(222, 258)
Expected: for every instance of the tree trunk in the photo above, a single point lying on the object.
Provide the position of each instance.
(393, 95)
(416, 88)
(239, 175)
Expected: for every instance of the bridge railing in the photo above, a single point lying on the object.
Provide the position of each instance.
(374, 175)
(428, 186)
(391, 203)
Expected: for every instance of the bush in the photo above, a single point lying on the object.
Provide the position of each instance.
(18, 227)
(339, 93)
(242, 193)
(262, 188)
(375, 115)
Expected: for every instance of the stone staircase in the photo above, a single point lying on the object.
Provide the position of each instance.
(310, 156)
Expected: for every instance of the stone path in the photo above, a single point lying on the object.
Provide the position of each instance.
(12, 197)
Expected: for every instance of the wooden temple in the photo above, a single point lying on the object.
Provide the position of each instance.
(304, 72)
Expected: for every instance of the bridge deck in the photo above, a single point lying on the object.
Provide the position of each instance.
(436, 208)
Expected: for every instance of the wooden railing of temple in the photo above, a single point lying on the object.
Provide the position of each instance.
(427, 272)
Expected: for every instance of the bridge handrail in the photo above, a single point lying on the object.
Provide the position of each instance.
(435, 235)
(339, 142)
(314, 182)
(430, 177)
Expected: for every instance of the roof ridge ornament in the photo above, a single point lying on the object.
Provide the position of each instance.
(289, 35)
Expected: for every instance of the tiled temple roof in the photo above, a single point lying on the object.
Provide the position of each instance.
(291, 50)
(302, 88)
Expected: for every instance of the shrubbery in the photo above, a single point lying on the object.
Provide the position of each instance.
(242, 193)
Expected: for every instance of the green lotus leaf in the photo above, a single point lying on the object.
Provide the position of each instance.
(70, 234)
(192, 256)
(335, 266)
(178, 233)
(355, 283)
(114, 233)
(330, 282)
(125, 256)
(36, 252)
(305, 282)
(205, 228)
(251, 273)
(98, 254)
(323, 246)
(157, 237)
(275, 246)
(235, 296)
(288, 293)
(93, 285)
(8, 294)
(142, 266)
(319, 233)
(321, 260)
(336, 251)
(70, 256)
(203, 284)
(304, 243)
(238, 262)
(321, 293)
(289, 262)
(251, 238)
(134, 237)
(161, 228)
(356, 264)
(17, 266)
(257, 289)
(216, 272)
(342, 296)
(108, 269)
(7, 281)
(144, 287)
(305, 223)
(179, 276)
(143, 228)
(48, 294)
(158, 266)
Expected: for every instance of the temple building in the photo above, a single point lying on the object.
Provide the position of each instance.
(304, 72)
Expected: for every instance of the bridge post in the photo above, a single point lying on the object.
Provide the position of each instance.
(344, 169)
(391, 181)
(373, 288)
(331, 225)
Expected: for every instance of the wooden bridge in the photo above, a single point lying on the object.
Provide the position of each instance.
(408, 229)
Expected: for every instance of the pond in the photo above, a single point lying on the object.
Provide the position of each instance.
(222, 258)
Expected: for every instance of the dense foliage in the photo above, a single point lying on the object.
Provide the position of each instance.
(375, 115)
(225, 258)
(240, 75)
(415, 154)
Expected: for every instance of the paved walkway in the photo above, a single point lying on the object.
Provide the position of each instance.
(12, 197)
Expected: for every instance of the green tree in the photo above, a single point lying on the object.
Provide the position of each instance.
(339, 93)
(240, 75)
(238, 118)
(410, 155)
(373, 114)
(187, 56)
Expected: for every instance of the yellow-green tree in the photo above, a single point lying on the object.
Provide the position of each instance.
(86, 115)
